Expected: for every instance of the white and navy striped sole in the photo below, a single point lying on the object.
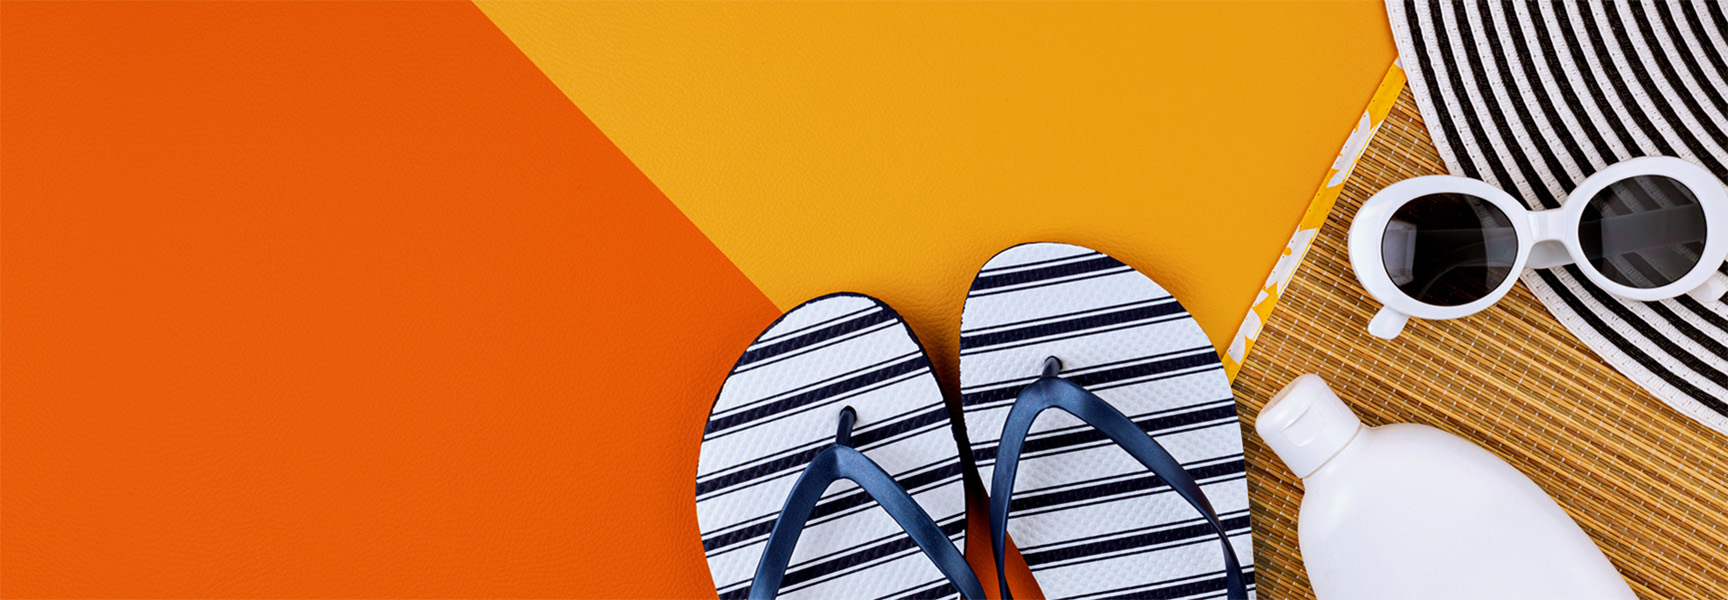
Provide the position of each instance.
(1092, 522)
(780, 406)
(1534, 97)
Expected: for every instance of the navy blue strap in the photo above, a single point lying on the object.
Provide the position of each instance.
(841, 461)
(1051, 391)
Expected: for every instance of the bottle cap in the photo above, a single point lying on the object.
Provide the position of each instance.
(1306, 424)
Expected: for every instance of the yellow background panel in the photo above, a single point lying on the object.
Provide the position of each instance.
(890, 149)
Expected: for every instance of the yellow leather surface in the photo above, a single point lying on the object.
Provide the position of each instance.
(890, 149)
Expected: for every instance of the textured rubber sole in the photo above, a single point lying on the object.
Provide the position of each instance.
(1090, 521)
(780, 406)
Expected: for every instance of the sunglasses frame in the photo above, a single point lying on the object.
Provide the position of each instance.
(1546, 238)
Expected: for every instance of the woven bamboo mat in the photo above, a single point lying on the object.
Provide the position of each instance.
(1647, 483)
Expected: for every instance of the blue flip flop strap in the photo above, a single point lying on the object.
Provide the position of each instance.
(842, 462)
(1055, 392)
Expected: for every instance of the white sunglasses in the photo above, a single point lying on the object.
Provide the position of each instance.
(1443, 247)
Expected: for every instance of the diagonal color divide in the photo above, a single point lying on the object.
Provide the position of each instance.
(892, 148)
(344, 300)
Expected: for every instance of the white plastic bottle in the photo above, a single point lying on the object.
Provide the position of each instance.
(1409, 511)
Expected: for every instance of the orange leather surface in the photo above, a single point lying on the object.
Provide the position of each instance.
(338, 300)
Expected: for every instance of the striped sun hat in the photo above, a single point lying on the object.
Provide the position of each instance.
(1534, 97)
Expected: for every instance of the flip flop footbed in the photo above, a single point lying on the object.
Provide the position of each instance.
(1090, 520)
(780, 406)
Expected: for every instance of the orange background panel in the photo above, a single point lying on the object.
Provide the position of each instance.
(338, 300)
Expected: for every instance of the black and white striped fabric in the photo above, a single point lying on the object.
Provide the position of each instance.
(1534, 97)
(1090, 520)
(781, 406)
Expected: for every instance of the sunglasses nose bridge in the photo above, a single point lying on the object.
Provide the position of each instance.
(1548, 231)
(1550, 225)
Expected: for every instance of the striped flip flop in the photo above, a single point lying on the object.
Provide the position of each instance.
(1135, 486)
(837, 390)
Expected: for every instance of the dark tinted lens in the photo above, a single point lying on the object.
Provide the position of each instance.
(1449, 249)
(1643, 232)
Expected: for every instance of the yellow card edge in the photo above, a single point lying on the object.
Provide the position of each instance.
(1318, 209)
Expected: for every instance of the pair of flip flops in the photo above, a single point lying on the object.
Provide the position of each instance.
(829, 466)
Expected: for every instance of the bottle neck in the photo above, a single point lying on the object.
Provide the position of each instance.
(1339, 456)
(1306, 425)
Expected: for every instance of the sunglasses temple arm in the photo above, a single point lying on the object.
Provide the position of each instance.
(1387, 323)
(1712, 290)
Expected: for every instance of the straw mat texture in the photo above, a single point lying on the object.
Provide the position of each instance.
(1649, 484)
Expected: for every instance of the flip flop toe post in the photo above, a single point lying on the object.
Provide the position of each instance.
(1132, 483)
(829, 467)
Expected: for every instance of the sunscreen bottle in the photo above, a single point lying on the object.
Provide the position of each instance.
(1409, 511)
